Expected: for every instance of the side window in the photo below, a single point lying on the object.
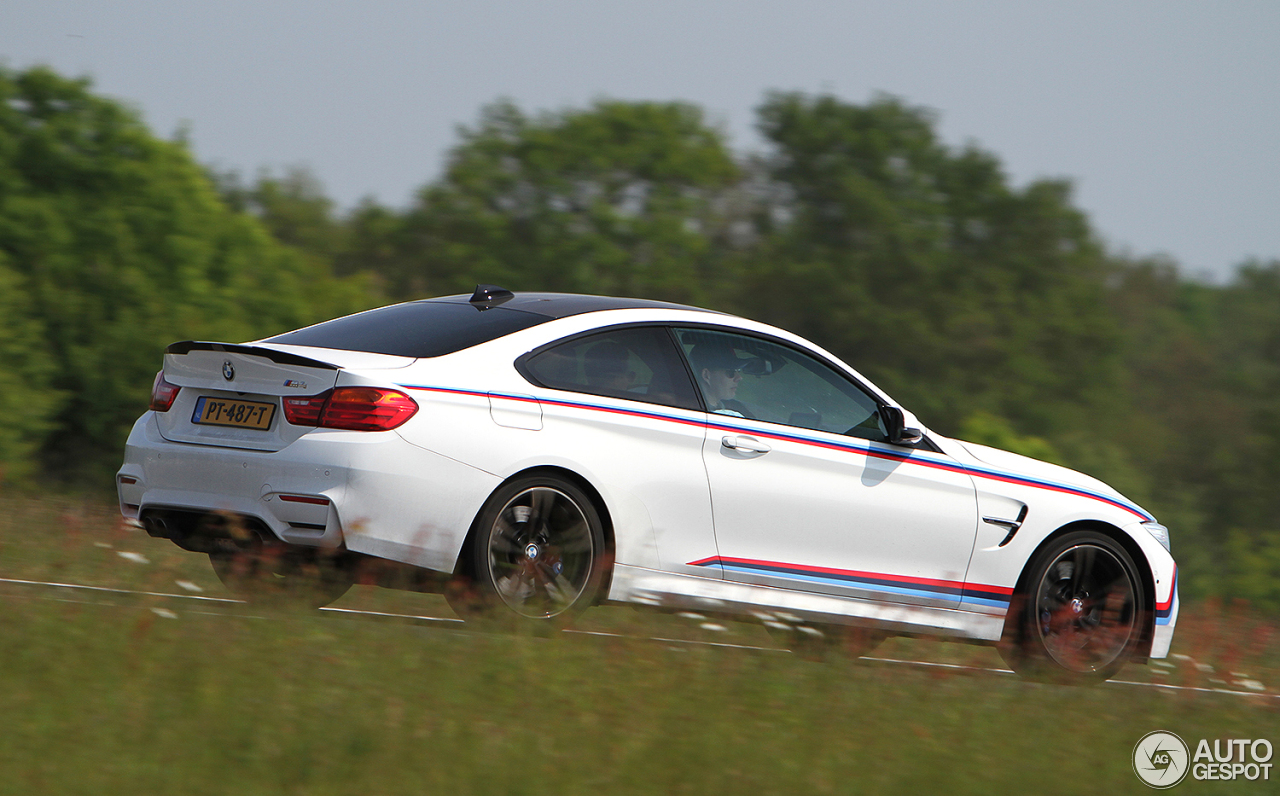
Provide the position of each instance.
(639, 364)
(744, 376)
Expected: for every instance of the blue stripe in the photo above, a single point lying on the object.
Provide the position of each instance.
(1166, 616)
(870, 585)
(969, 599)
(837, 578)
(914, 457)
(842, 582)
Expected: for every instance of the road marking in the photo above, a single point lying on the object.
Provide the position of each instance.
(393, 616)
(1194, 688)
(931, 664)
(1105, 682)
(119, 591)
(691, 642)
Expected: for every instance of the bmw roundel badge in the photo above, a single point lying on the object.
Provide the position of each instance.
(228, 372)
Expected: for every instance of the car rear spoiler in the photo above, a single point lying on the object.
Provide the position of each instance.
(279, 357)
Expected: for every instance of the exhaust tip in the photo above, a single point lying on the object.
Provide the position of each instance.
(156, 526)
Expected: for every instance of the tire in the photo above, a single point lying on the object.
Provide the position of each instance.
(1080, 617)
(278, 577)
(537, 556)
(820, 642)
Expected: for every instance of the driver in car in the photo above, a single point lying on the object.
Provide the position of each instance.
(719, 372)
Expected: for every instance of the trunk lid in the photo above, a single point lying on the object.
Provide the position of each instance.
(231, 394)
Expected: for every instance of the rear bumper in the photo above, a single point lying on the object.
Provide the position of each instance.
(368, 491)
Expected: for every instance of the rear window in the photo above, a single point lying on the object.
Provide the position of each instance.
(417, 329)
(637, 363)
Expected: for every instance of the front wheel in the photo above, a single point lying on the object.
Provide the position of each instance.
(1079, 619)
(537, 555)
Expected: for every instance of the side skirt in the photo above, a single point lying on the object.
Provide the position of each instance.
(670, 590)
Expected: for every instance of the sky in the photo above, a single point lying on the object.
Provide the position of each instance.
(1163, 114)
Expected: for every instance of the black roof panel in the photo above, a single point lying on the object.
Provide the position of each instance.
(438, 326)
(562, 305)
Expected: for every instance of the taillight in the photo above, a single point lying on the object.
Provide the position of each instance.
(163, 394)
(352, 409)
(305, 411)
(367, 409)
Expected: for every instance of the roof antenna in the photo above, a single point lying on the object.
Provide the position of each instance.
(488, 296)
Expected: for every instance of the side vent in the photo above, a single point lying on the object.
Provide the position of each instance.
(1011, 526)
(488, 296)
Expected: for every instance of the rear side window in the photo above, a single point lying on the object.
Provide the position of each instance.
(417, 329)
(638, 364)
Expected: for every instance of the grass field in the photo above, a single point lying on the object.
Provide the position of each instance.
(107, 692)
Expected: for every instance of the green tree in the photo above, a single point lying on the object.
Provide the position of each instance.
(28, 401)
(1238, 433)
(985, 428)
(921, 265)
(292, 206)
(1202, 372)
(119, 244)
(620, 198)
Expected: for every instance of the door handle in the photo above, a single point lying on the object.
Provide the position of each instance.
(745, 444)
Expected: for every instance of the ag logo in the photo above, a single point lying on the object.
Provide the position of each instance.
(1161, 759)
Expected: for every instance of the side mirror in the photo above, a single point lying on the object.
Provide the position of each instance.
(895, 427)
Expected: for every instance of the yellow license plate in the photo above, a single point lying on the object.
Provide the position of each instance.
(227, 412)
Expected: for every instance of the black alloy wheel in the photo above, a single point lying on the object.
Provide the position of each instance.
(537, 555)
(1081, 616)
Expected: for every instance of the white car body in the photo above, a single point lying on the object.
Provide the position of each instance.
(795, 521)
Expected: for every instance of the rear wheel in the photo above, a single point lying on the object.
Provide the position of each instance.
(279, 576)
(1080, 617)
(537, 556)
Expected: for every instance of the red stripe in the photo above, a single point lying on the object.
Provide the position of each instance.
(848, 572)
(566, 404)
(947, 466)
(318, 501)
(870, 452)
(1173, 590)
(633, 413)
(951, 584)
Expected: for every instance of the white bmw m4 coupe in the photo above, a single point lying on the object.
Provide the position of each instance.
(532, 454)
